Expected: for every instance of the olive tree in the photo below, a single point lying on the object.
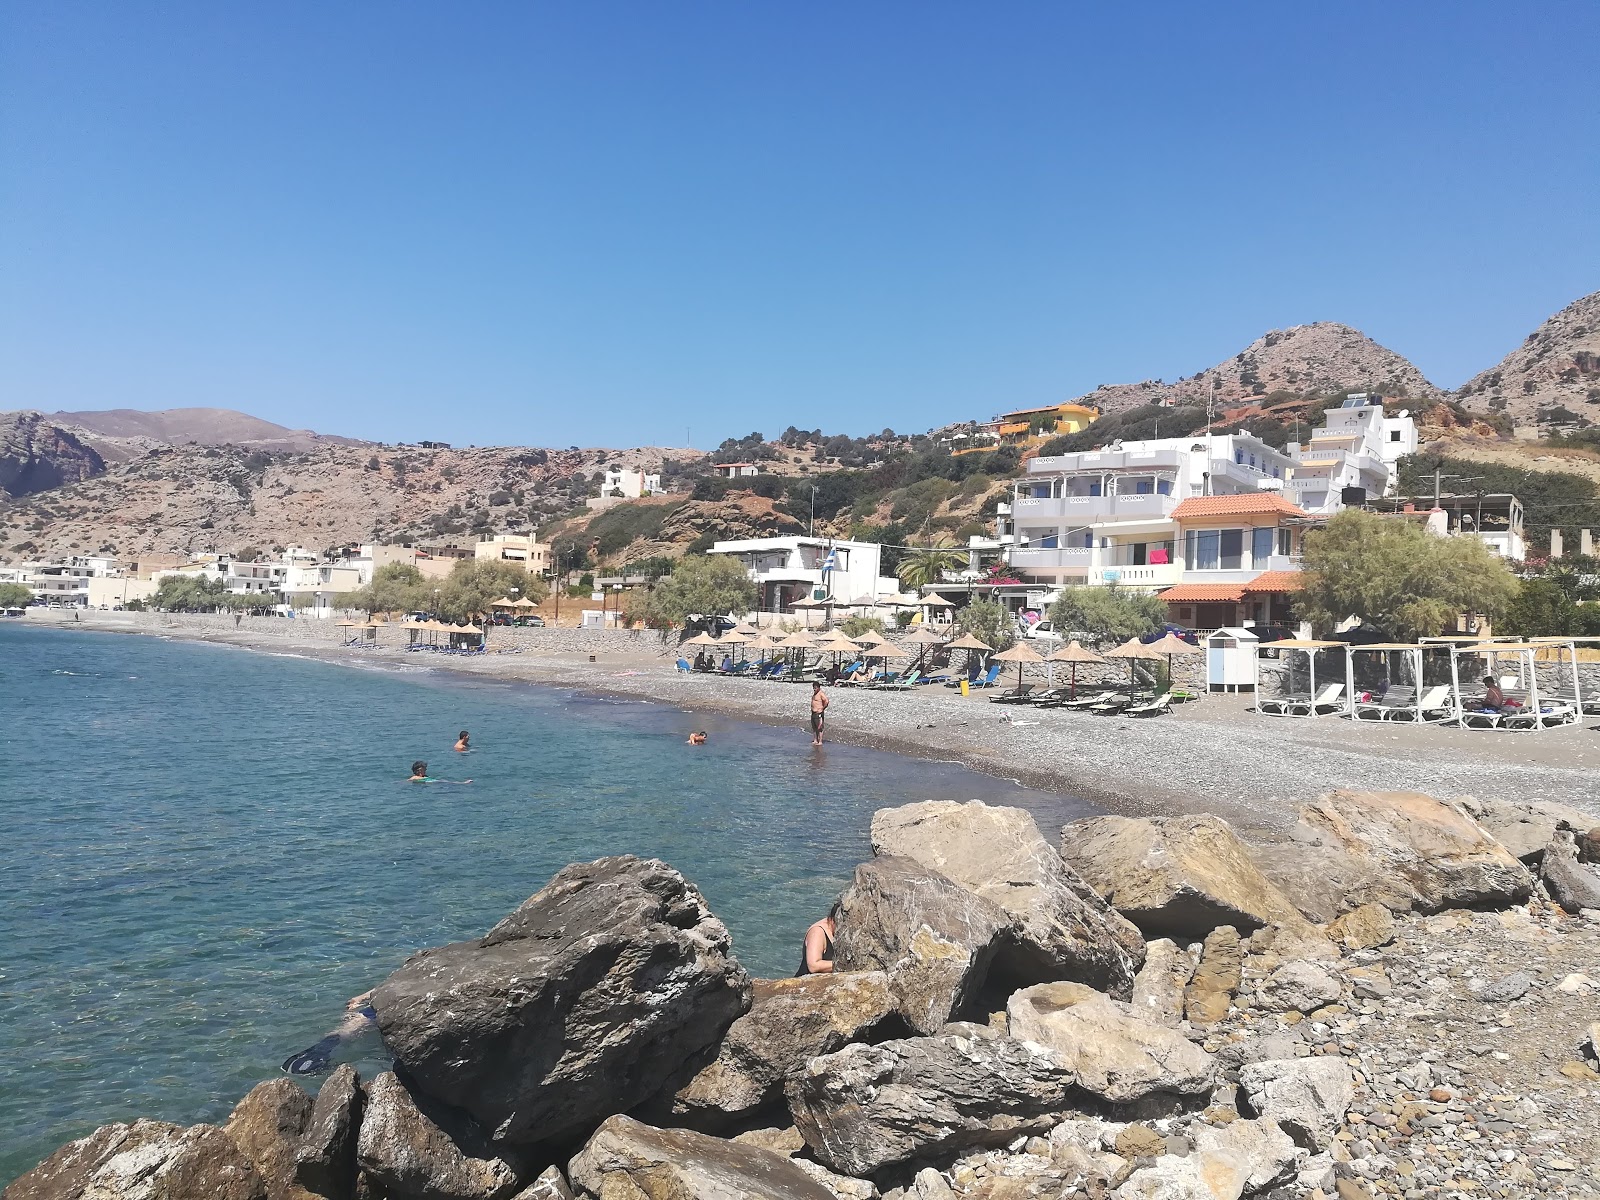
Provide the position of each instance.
(1107, 615)
(702, 584)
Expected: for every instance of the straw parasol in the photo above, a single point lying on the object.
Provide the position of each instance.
(1021, 654)
(524, 602)
(1170, 645)
(503, 602)
(968, 642)
(870, 638)
(747, 629)
(898, 600)
(886, 649)
(1134, 649)
(701, 639)
(1074, 654)
(798, 640)
(924, 637)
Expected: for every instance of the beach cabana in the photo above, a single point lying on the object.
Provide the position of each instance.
(1399, 681)
(1532, 704)
(1306, 677)
(1074, 654)
(1022, 654)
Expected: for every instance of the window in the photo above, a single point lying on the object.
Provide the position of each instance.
(1394, 435)
(1094, 487)
(1261, 547)
(1238, 457)
(1142, 487)
(1048, 542)
(1283, 542)
(1200, 550)
(1232, 549)
(1164, 487)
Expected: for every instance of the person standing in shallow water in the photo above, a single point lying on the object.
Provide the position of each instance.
(462, 742)
(816, 958)
(819, 711)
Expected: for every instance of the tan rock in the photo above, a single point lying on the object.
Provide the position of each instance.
(1216, 979)
(1441, 852)
(1323, 882)
(267, 1125)
(1178, 877)
(1364, 928)
(1140, 1141)
(147, 1160)
(627, 1159)
(1116, 1056)
(1158, 988)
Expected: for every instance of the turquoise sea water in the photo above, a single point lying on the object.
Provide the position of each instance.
(206, 850)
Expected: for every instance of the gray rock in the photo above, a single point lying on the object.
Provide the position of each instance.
(934, 938)
(1572, 883)
(627, 1159)
(790, 1022)
(1323, 882)
(1297, 986)
(147, 1160)
(582, 1003)
(1523, 827)
(267, 1125)
(1308, 1097)
(1158, 988)
(325, 1159)
(930, 1185)
(414, 1148)
(1434, 846)
(1178, 877)
(1115, 1055)
(1506, 989)
(1266, 1048)
(867, 1107)
(1064, 930)
(550, 1185)
(843, 1187)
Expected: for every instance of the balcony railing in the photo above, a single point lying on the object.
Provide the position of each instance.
(1098, 461)
(1083, 509)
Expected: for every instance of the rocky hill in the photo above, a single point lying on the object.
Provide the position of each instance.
(123, 433)
(37, 455)
(196, 499)
(1323, 358)
(1552, 380)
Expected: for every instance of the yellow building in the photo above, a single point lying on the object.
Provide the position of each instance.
(1030, 426)
(522, 549)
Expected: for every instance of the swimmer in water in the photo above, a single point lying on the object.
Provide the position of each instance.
(359, 1016)
(698, 738)
(419, 774)
(461, 742)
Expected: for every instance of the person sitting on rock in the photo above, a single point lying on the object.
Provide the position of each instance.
(817, 956)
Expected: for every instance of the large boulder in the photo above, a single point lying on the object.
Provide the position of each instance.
(1323, 882)
(1116, 1055)
(1216, 979)
(415, 1148)
(580, 1004)
(1064, 930)
(866, 1107)
(627, 1159)
(267, 1125)
(1259, 1153)
(1308, 1097)
(1177, 877)
(790, 1022)
(933, 937)
(1524, 827)
(1435, 847)
(1571, 882)
(147, 1160)
(325, 1158)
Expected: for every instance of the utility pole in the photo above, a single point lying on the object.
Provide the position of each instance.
(811, 525)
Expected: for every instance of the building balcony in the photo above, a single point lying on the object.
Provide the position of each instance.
(1153, 575)
(1064, 558)
(1101, 461)
(1084, 510)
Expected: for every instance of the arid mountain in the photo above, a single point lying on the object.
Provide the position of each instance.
(124, 433)
(1318, 359)
(37, 455)
(1552, 380)
(193, 499)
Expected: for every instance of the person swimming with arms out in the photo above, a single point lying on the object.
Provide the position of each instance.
(419, 774)
(461, 746)
(697, 738)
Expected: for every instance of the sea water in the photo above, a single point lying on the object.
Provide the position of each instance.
(206, 850)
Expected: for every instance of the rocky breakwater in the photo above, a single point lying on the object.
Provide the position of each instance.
(1394, 1003)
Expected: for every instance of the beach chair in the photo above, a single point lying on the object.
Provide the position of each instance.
(1045, 696)
(1086, 701)
(1150, 708)
(1325, 701)
(904, 683)
(992, 674)
(1436, 704)
(1016, 695)
(1548, 714)
(1111, 705)
(1384, 707)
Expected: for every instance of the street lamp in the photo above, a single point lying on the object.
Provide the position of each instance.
(616, 590)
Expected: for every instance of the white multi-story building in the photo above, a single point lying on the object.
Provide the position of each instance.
(254, 578)
(313, 590)
(786, 569)
(1356, 447)
(1106, 516)
(628, 484)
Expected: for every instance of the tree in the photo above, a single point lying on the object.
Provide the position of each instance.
(15, 595)
(702, 584)
(1394, 574)
(928, 565)
(189, 593)
(1542, 608)
(1107, 615)
(854, 627)
(989, 621)
(474, 584)
(395, 587)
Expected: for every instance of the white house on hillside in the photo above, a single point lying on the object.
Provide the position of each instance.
(786, 569)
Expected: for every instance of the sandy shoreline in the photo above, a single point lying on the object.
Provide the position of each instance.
(1213, 756)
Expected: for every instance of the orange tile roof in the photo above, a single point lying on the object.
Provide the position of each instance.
(1227, 506)
(1275, 581)
(1189, 593)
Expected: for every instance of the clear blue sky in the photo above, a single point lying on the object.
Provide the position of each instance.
(602, 223)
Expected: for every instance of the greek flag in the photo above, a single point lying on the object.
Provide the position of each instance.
(830, 562)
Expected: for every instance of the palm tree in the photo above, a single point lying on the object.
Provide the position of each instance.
(928, 564)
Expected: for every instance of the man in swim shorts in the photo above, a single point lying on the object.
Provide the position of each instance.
(819, 710)
(461, 742)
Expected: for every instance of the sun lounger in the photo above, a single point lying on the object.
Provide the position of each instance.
(1016, 695)
(1380, 710)
(1087, 700)
(683, 666)
(1548, 714)
(1111, 706)
(1302, 704)
(904, 683)
(1436, 704)
(989, 678)
(1150, 708)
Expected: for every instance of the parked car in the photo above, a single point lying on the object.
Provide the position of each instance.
(1272, 633)
(1182, 632)
(536, 622)
(1041, 631)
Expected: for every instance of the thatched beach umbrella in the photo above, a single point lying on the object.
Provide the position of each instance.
(1074, 654)
(700, 639)
(1132, 650)
(870, 638)
(971, 644)
(1021, 654)
(1170, 645)
(924, 637)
